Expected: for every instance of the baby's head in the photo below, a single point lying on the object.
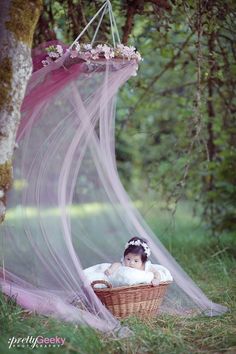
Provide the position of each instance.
(136, 253)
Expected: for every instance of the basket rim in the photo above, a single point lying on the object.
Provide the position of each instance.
(138, 286)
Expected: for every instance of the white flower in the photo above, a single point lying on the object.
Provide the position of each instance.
(138, 56)
(109, 54)
(139, 243)
(77, 47)
(45, 62)
(87, 46)
(73, 54)
(85, 55)
(53, 55)
(59, 49)
(120, 46)
(99, 47)
(106, 48)
(128, 52)
(94, 55)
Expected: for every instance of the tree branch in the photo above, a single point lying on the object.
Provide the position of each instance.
(158, 76)
(137, 6)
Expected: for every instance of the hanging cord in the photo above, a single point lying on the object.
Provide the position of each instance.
(114, 30)
(99, 23)
(86, 27)
(115, 25)
(111, 22)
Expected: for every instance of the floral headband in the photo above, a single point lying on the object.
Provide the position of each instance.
(139, 243)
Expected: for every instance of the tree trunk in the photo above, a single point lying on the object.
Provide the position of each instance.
(210, 107)
(210, 124)
(17, 23)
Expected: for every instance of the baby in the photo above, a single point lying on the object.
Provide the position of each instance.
(136, 255)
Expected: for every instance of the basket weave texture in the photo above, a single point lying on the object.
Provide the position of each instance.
(136, 300)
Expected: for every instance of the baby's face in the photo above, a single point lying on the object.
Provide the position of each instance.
(134, 261)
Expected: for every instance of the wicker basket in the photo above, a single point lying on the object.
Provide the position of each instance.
(136, 300)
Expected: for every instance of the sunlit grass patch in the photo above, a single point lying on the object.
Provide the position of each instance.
(76, 210)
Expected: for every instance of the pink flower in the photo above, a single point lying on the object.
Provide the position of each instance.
(45, 62)
(94, 54)
(73, 53)
(86, 55)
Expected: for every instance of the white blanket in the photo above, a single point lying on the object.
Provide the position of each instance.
(125, 276)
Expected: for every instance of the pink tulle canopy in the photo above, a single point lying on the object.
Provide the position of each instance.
(68, 209)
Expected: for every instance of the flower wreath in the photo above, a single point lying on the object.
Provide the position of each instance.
(139, 243)
(87, 52)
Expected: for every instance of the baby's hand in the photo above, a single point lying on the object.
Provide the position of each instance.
(108, 272)
(155, 281)
(112, 268)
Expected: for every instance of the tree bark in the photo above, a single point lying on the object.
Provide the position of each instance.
(137, 6)
(210, 107)
(17, 23)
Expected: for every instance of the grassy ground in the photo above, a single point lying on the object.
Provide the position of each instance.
(210, 262)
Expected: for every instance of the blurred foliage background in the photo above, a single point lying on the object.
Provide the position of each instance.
(175, 128)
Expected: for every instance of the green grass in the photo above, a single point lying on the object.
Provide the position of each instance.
(209, 261)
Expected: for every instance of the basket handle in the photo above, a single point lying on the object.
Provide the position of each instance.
(101, 282)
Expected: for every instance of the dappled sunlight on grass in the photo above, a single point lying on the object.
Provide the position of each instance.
(82, 210)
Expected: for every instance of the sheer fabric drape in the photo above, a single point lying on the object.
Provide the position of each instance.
(68, 209)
